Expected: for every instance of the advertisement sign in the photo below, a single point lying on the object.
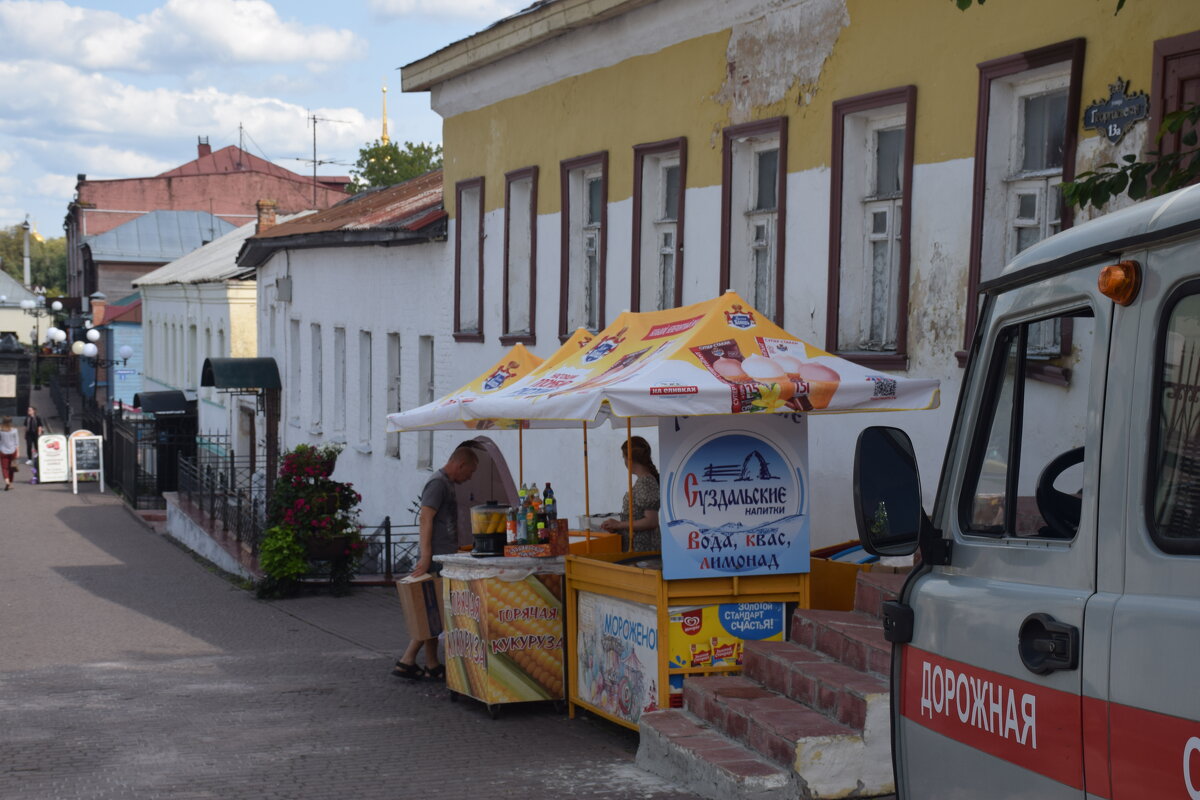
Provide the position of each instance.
(52, 458)
(85, 456)
(504, 638)
(616, 659)
(734, 496)
(714, 636)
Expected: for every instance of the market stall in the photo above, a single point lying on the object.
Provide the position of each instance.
(730, 394)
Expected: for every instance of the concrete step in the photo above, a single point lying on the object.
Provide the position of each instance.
(851, 637)
(873, 588)
(845, 694)
(678, 746)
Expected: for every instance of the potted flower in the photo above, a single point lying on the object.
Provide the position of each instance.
(312, 518)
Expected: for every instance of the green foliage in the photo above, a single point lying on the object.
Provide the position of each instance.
(307, 508)
(382, 164)
(1160, 174)
(47, 259)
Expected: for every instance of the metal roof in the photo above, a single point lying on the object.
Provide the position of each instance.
(158, 236)
(212, 263)
(163, 404)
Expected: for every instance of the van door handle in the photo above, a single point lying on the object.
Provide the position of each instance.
(1046, 645)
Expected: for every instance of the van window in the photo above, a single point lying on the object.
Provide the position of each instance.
(1175, 469)
(1025, 473)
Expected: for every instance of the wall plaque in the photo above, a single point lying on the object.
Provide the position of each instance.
(1115, 116)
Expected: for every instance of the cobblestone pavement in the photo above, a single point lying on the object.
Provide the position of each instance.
(129, 669)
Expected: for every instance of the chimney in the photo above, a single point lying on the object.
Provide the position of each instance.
(266, 215)
(203, 148)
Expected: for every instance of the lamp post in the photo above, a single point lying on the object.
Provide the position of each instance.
(25, 252)
(37, 310)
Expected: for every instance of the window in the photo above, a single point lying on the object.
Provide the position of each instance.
(753, 210)
(468, 261)
(584, 186)
(293, 378)
(318, 378)
(1175, 84)
(393, 389)
(1024, 474)
(339, 383)
(1175, 467)
(191, 376)
(425, 395)
(867, 319)
(520, 256)
(1024, 148)
(366, 422)
(659, 178)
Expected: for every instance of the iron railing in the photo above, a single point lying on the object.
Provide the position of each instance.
(391, 550)
(223, 487)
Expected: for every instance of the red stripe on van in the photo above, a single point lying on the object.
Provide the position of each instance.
(1021, 722)
(1153, 755)
(1095, 747)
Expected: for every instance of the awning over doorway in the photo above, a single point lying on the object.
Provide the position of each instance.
(241, 373)
(163, 403)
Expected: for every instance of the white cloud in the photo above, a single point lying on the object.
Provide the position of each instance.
(174, 37)
(55, 186)
(487, 10)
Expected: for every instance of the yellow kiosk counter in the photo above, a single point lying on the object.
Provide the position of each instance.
(504, 628)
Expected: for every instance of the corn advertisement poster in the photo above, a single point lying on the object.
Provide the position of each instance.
(714, 636)
(616, 659)
(734, 496)
(504, 639)
(721, 356)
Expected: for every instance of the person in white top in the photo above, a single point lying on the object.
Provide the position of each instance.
(9, 442)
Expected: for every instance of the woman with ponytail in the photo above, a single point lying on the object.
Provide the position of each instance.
(646, 502)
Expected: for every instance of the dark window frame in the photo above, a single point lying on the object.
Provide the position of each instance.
(640, 152)
(459, 188)
(530, 173)
(1071, 51)
(566, 167)
(1164, 50)
(906, 96)
(777, 126)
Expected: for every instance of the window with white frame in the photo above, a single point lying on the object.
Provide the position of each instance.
(393, 389)
(520, 255)
(425, 395)
(868, 270)
(318, 379)
(366, 421)
(658, 211)
(753, 194)
(468, 261)
(1025, 148)
(339, 382)
(293, 381)
(584, 214)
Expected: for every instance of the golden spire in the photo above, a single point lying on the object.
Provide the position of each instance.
(384, 138)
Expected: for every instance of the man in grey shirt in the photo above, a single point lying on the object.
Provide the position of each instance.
(438, 520)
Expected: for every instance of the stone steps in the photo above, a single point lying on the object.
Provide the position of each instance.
(814, 710)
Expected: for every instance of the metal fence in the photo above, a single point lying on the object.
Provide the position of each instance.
(226, 489)
(391, 550)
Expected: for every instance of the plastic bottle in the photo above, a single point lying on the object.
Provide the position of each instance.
(541, 533)
(535, 499)
(510, 527)
(551, 510)
(530, 526)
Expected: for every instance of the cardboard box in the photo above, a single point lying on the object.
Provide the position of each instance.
(421, 601)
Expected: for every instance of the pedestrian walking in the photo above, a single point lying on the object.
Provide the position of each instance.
(35, 426)
(438, 520)
(9, 450)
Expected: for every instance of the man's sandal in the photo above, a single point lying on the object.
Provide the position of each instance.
(437, 673)
(410, 671)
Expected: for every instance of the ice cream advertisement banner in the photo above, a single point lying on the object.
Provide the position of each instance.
(616, 657)
(715, 636)
(734, 496)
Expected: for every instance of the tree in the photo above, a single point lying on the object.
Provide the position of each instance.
(386, 163)
(47, 259)
(1161, 173)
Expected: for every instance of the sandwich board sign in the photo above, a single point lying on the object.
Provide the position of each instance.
(52, 459)
(86, 459)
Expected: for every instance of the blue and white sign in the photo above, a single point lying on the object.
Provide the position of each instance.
(734, 496)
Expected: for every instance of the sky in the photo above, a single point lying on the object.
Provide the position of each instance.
(122, 89)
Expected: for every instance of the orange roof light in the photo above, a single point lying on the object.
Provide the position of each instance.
(1120, 282)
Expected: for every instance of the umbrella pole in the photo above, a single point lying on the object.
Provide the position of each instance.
(520, 453)
(587, 495)
(629, 473)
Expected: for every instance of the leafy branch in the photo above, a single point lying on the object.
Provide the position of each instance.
(1160, 174)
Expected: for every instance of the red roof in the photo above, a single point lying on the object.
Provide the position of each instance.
(234, 159)
(126, 313)
(408, 206)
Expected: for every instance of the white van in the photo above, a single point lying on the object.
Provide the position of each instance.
(1048, 643)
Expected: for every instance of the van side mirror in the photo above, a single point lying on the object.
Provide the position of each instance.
(887, 492)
